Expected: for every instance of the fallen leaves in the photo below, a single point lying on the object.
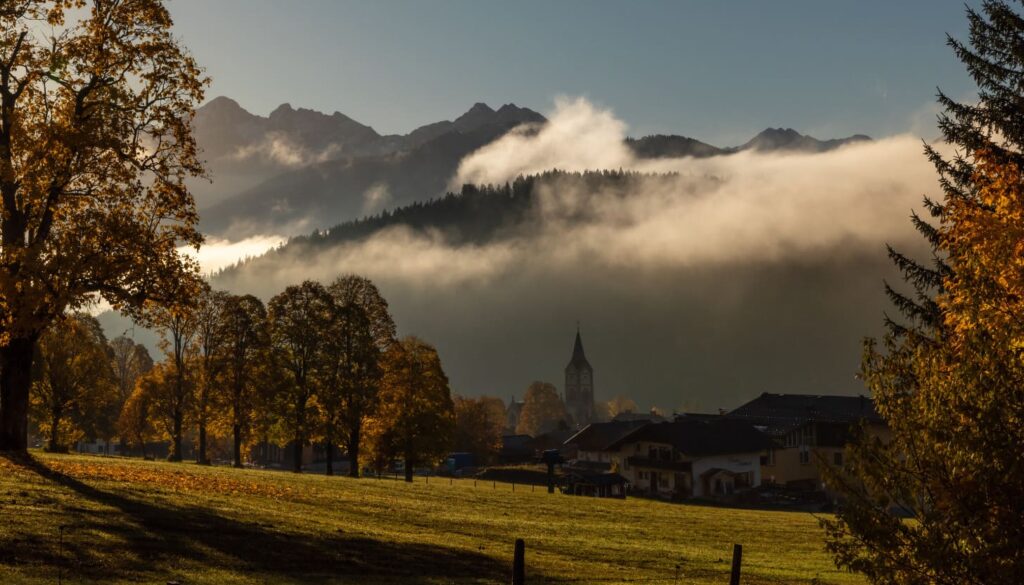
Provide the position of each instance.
(182, 480)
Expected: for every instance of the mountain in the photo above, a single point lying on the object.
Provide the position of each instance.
(354, 171)
(789, 140)
(671, 146)
(299, 169)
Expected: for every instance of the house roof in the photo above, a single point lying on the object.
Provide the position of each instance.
(701, 437)
(780, 413)
(597, 436)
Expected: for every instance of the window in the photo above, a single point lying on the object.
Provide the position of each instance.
(771, 457)
(805, 455)
(837, 458)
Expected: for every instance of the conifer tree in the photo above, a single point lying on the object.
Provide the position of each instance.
(948, 378)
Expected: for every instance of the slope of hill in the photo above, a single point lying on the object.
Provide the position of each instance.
(787, 139)
(298, 169)
(111, 521)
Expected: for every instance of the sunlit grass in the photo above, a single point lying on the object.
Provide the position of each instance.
(129, 521)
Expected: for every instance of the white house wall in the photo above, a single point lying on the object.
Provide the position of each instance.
(741, 463)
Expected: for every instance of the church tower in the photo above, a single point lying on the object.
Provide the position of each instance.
(579, 386)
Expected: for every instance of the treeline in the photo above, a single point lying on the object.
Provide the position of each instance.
(478, 213)
(317, 364)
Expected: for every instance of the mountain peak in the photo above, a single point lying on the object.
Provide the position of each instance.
(281, 110)
(480, 108)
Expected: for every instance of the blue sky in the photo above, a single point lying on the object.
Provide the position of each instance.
(717, 71)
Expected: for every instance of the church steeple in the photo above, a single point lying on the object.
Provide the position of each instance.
(579, 359)
(579, 384)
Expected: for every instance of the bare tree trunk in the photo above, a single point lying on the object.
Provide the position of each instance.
(330, 457)
(176, 438)
(236, 451)
(353, 450)
(201, 458)
(297, 452)
(54, 444)
(15, 382)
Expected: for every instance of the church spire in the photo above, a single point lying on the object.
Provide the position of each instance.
(578, 357)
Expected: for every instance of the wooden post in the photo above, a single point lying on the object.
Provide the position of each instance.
(737, 558)
(519, 563)
(513, 486)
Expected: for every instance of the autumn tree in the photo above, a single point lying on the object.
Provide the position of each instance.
(619, 405)
(543, 410)
(95, 147)
(244, 323)
(361, 331)
(948, 378)
(414, 420)
(298, 318)
(134, 424)
(157, 403)
(129, 360)
(74, 393)
(479, 425)
(210, 361)
(178, 326)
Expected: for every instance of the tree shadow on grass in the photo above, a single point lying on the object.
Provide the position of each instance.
(150, 537)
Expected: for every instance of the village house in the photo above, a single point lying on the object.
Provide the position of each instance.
(690, 457)
(589, 446)
(807, 431)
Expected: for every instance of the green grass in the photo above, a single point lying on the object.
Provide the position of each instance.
(130, 521)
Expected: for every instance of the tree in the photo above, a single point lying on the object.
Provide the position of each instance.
(361, 331)
(620, 404)
(134, 425)
(129, 360)
(159, 402)
(543, 410)
(415, 418)
(210, 360)
(178, 326)
(244, 322)
(479, 425)
(297, 319)
(95, 148)
(74, 393)
(948, 379)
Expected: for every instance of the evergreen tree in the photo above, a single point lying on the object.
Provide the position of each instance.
(948, 379)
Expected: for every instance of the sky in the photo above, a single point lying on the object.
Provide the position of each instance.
(716, 71)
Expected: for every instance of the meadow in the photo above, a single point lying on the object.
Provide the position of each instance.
(83, 519)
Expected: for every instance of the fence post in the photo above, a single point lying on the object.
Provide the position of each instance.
(519, 563)
(513, 486)
(737, 558)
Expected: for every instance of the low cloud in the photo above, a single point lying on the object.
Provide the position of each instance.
(726, 277)
(278, 148)
(216, 254)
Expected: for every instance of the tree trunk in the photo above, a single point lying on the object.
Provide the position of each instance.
(353, 451)
(176, 438)
(236, 451)
(15, 382)
(297, 452)
(408, 470)
(330, 457)
(201, 458)
(54, 444)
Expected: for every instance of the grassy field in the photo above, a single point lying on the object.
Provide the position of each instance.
(128, 521)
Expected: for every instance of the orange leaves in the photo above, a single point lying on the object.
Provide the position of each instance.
(175, 480)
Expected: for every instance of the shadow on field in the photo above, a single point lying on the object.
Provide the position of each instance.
(150, 537)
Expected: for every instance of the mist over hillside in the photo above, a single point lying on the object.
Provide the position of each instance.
(698, 281)
(297, 169)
